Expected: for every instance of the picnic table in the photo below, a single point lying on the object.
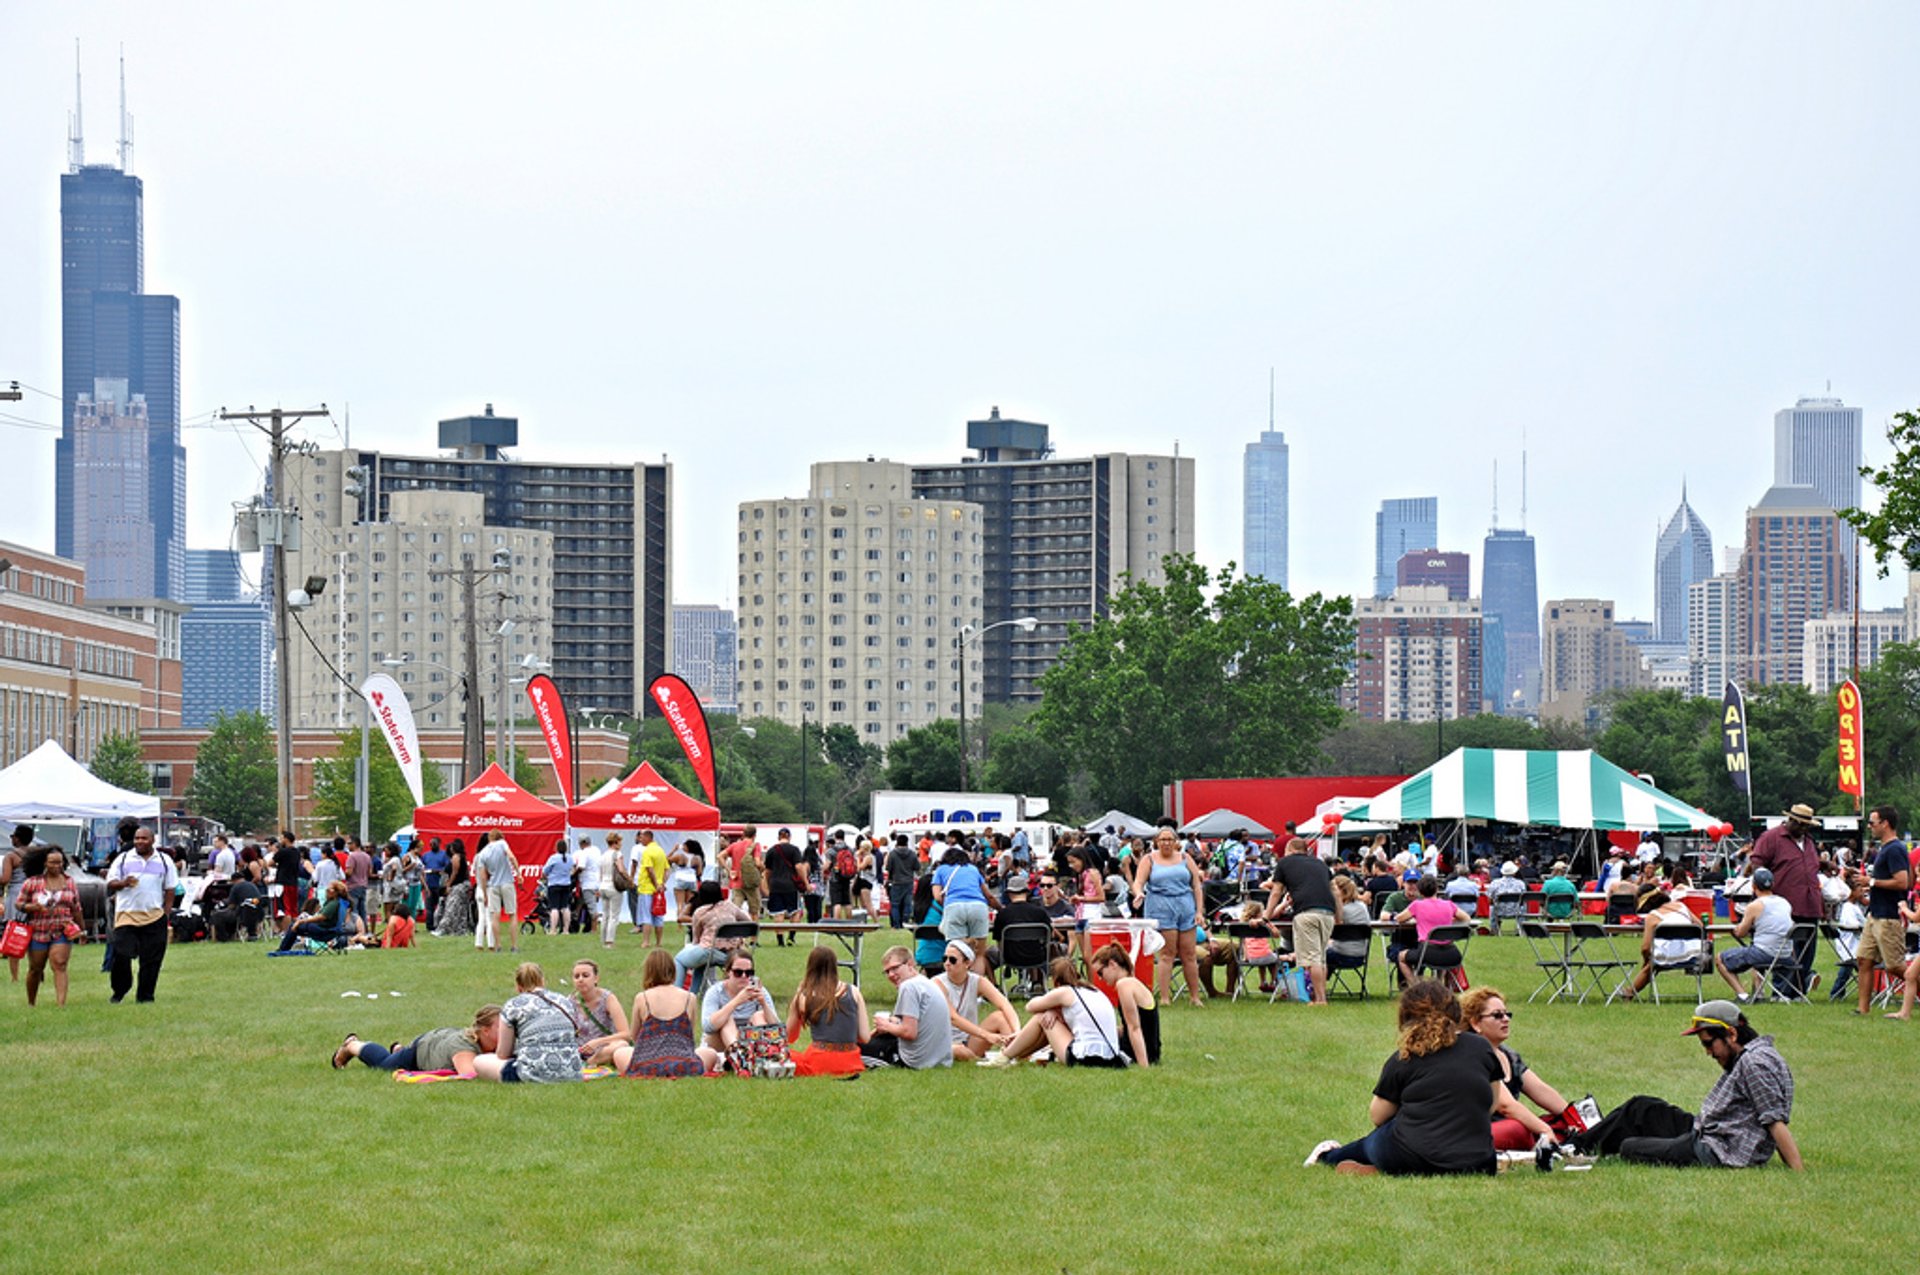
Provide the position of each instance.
(851, 935)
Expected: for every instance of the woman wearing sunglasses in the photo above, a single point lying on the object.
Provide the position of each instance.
(1484, 1012)
(973, 1035)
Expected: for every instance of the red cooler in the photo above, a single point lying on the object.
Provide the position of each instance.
(1130, 933)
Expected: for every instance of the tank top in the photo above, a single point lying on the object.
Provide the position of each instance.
(843, 1028)
(1091, 1020)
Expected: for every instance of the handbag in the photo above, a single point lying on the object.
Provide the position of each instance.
(659, 907)
(622, 879)
(14, 943)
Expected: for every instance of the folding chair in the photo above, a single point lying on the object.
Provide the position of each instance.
(1550, 957)
(1444, 941)
(1697, 966)
(1239, 932)
(1591, 951)
(1340, 967)
(1780, 977)
(1023, 949)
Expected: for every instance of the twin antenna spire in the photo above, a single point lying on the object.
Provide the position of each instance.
(76, 145)
(1523, 486)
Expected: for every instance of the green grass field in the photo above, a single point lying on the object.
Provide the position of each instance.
(207, 1132)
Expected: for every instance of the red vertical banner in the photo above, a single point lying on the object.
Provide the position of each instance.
(681, 707)
(1853, 741)
(550, 711)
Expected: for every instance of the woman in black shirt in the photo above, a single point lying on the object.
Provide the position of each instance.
(1432, 1104)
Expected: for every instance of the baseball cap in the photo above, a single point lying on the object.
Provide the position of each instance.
(1763, 877)
(1018, 883)
(1724, 1014)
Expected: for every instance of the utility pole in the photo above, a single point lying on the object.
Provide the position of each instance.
(286, 522)
(356, 487)
(468, 577)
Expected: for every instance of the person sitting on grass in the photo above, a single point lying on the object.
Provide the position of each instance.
(1656, 909)
(1743, 1121)
(918, 1034)
(1073, 1022)
(973, 1035)
(326, 924)
(736, 1002)
(1770, 921)
(538, 1041)
(1432, 1103)
(1139, 1012)
(836, 1016)
(442, 1049)
(600, 1023)
(1484, 1012)
(1428, 913)
(661, 1032)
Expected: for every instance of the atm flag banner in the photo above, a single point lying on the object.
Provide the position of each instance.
(681, 707)
(394, 716)
(1853, 740)
(1733, 738)
(550, 712)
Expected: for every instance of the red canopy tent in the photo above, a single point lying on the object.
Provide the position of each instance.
(645, 799)
(494, 803)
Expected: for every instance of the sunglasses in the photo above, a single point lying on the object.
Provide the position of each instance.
(950, 960)
(745, 973)
(1498, 1013)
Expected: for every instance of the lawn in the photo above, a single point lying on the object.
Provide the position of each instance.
(207, 1131)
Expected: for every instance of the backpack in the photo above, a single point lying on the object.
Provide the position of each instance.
(749, 871)
(844, 864)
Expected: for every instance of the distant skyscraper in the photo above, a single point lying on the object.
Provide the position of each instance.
(1451, 571)
(1682, 555)
(1399, 528)
(1263, 504)
(1419, 657)
(1713, 635)
(1509, 591)
(1584, 653)
(705, 642)
(1816, 443)
(226, 656)
(213, 575)
(112, 330)
(1794, 569)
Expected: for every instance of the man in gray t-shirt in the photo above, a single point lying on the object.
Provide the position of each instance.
(920, 1020)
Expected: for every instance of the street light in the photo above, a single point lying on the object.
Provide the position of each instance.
(968, 634)
(532, 666)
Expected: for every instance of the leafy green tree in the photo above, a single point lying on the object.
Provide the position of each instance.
(1174, 683)
(926, 757)
(1026, 763)
(1890, 707)
(390, 803)
(117, 760)
(235, 771)
(857, 768)
(525, 773)
(1893, 530)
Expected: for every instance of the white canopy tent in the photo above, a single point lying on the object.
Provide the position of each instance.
(1126, 823)
(1218, 823)
(48, 784)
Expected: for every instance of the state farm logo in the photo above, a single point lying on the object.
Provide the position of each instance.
(493, 794)
(626, 820)
(395, 732)
(643, 796)
(490, 821)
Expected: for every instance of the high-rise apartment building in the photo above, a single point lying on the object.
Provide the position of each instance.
(388, 597)
(1399, 528)
(612, 529)
(1682, 555)
(1057, 536)
(706, 653)
(854, 600)
(1713, 635)
(1827, 656)
(1582, 654)
(1263, 507)
(1451, 571)
(1816, 443)
(1508, 590)
(1419, 657)
(112, 330)
(1793, 569)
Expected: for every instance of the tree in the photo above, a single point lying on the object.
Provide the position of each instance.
(1025, 762)
(1890, 707)
(117, 760)
(235, 773)
(390, 804)
(529, 776)
(926, 758)
(1894, 528)
(858, 768)
(1174, 684)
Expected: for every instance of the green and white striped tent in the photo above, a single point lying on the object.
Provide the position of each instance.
(1543, 789)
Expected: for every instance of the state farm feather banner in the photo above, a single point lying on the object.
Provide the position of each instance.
(681, 707)
(394, 716)
(550, 713)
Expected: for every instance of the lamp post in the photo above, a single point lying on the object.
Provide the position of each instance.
(968, 634)
(533, 666)
(468, 577)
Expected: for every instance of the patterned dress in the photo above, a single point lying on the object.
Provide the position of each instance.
(544, 1043)
(663, 1048)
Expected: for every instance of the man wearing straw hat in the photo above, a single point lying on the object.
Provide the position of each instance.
(1788, 851)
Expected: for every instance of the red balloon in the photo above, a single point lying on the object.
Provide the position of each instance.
(1717, 831)
(1334, 818)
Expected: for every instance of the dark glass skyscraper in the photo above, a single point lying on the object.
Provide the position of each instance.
(1508, 592)
(112, 330)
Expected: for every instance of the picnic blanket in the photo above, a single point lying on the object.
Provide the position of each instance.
(433, 1077)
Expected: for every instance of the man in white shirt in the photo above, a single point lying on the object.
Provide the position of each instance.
(496, 890)
(142, 882)
(587, 875)
(223, 863)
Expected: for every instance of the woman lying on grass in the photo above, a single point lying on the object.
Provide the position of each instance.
(442, 1049)
(1433, 1102)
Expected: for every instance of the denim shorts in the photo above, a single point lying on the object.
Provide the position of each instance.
(964, 919)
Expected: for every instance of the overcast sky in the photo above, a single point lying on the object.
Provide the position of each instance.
(754, 236)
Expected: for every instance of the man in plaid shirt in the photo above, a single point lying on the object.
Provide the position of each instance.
(1744, 1119)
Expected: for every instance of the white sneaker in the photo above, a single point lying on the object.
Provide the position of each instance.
(1044, 1054)
(1320, 1150)
(995, 1058)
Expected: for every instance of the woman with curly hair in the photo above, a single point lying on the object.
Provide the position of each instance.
(1433, 1103)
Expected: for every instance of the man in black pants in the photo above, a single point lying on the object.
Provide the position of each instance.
(1742, 1122)
(142, 885)
(903, 866)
